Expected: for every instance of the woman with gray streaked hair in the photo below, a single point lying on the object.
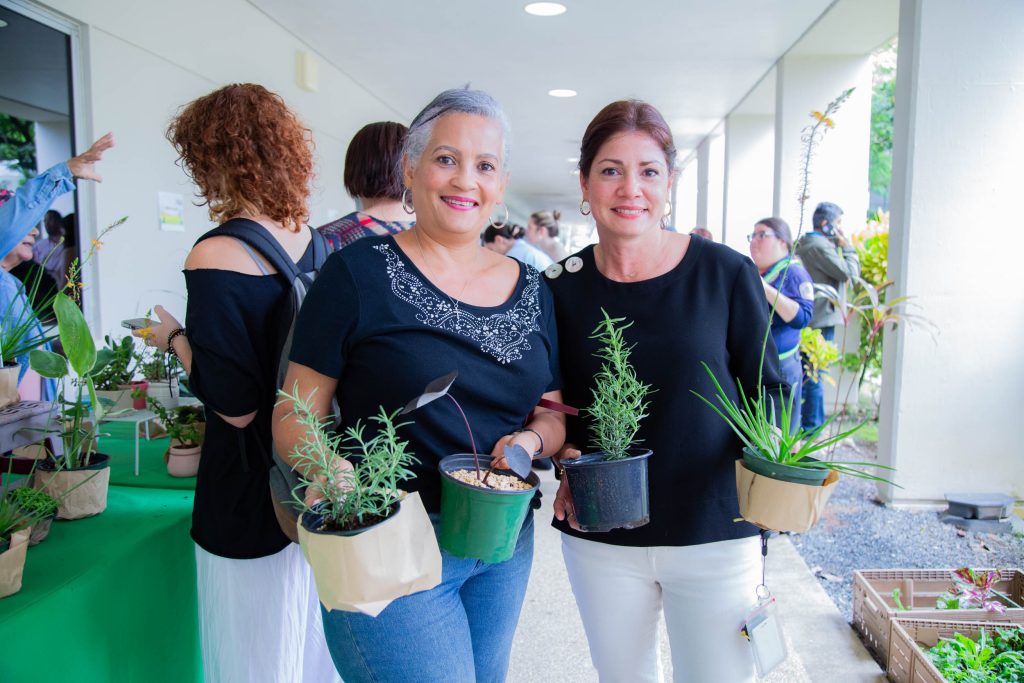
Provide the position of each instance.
(389, 314)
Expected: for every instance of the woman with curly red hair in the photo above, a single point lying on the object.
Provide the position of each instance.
(251, 161)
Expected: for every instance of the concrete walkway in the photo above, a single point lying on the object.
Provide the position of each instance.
(550, 644)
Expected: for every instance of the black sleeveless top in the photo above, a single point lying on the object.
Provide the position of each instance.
(233, 321)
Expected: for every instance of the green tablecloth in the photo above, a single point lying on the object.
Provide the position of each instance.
(120, 446)
(108, 598)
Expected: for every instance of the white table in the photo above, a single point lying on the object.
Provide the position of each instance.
(136, 417)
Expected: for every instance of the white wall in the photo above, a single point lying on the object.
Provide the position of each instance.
(951, 405)
(749, 165)
(144, 59)
(685, 218)
(839, 171)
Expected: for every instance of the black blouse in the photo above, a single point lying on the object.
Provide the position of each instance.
(233, 322)
(377, 324)
(708, 308)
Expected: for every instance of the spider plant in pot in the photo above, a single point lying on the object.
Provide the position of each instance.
(609, 485)
(79, 476)
(184, 425)
(367, 541)
(482, 509)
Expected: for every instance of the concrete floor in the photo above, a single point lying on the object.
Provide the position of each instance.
(550, 644)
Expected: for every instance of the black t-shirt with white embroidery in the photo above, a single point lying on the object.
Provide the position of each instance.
(709, 308)
(374, 322)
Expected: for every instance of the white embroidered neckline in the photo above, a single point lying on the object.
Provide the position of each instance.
(503, 335)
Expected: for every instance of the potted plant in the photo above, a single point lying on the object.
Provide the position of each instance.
(20, 332)
(40, 506)
(14, 541)
(79, 477)
(367, 541)
(184, 424)
(160, 371)
(609, 485)
(482, 509)
(115, 384)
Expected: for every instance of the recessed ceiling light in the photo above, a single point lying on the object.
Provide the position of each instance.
(562, 92)
(573, 160)
(545, 9)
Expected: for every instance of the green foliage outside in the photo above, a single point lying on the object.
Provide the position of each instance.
(18, 144)
(883, 106)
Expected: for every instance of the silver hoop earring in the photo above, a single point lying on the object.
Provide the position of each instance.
(407, 202)
(587, 212)
(668, 208)
(503, 223)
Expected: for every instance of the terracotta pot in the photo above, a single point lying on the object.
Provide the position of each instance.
(183, 462)
(9, 385)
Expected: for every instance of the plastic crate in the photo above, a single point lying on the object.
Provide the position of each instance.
(908, 662)
(874, 608)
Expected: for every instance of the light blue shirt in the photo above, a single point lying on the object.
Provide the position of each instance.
(531, 256)
(14, 306)
(30, 203)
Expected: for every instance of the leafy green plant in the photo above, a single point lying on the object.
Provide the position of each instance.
(962, 660)
(619, 396)
(181, 423)
(364, 495)
(78, 370)
(897, 599)
(35, 501)
(124, 361)
(975, 589)
(21, 331)
(158, 366)
(818, 354)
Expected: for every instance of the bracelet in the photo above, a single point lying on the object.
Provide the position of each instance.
(539, 437)
(170, 340)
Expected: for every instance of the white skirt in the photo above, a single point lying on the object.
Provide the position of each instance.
(260, 620)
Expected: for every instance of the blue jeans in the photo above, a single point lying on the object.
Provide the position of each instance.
(458, 632)
(813, 414)
(793, 372)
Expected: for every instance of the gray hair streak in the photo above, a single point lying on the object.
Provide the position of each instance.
(457, 101)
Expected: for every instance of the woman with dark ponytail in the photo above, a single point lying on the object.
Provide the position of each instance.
(542, 233)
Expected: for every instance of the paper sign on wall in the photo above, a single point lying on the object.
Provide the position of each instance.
(172, 211)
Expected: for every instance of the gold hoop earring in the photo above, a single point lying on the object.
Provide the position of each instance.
(587, 212)
(503, 223)
(407, 202)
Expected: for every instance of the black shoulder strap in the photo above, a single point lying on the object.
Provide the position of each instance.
(260, 239)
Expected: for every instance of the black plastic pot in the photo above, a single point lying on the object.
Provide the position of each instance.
(609, 494)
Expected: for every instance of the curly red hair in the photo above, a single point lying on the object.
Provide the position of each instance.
(247, 153)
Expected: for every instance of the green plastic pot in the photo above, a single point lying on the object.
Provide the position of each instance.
(476, 523)
(811, 476)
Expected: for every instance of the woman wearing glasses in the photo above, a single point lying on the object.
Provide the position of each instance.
(784, 279)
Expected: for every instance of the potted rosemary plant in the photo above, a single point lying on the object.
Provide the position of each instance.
(184, 424)
(79, 476)
(609, 485)
(367, 541)
(482, 509)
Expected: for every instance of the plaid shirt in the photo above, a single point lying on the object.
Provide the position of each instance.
(347, 229)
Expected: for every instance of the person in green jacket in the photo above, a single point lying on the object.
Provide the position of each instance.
(832, 262)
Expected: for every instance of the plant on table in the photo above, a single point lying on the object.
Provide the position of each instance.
(123, 363)
(990, 658)
(182, 423)
(34, 501)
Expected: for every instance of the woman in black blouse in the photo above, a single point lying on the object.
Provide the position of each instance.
(690, 301)
(389, 314)
(251, 161)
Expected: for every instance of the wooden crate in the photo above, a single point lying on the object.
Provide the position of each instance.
(911, 638)
(874, 608)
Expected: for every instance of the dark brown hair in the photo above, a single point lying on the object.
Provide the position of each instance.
(373, 162)
(246, 152)
(621, 117)
(780, 228)
(508, 231)
(547, 220)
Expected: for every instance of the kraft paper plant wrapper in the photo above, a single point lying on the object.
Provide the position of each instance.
(88, 499)
(12, 564)
(365, 572)
(781, 505)
(8, 386)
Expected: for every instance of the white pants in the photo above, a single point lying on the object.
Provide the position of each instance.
(260, 620)
(705, 590)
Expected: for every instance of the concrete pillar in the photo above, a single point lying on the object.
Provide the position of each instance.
(951, 404)
(749, 165)
(839, 171)
(703, 179)
(685, 206)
